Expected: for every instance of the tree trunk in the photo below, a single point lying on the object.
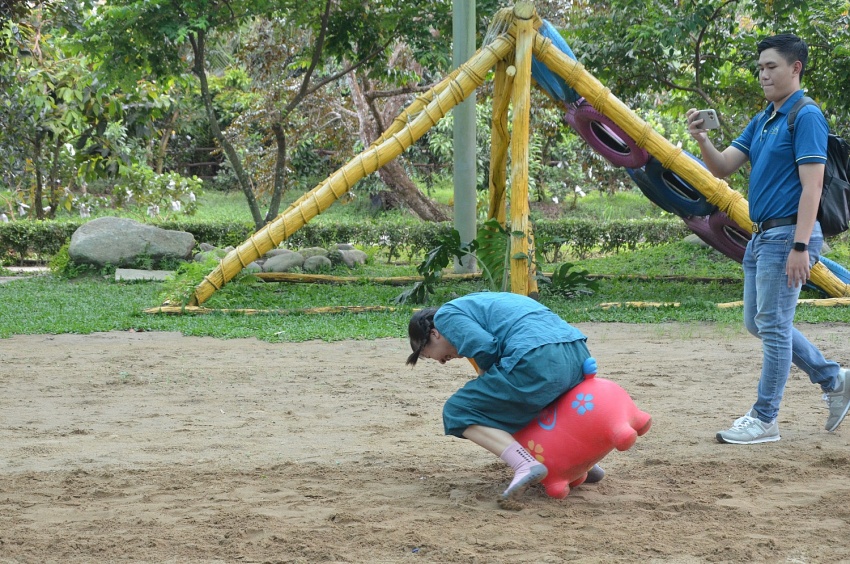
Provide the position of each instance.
(53, 181)
(159, 158)
(279, 173)
(198, 46)
(38, 208)
(393, 173)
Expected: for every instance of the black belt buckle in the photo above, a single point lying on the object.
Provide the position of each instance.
(755, 227)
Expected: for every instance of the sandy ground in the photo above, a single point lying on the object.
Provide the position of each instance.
(154, 447)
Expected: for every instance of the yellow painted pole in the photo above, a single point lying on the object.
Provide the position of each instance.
(521, 100)
(470, 77)
(671, 157)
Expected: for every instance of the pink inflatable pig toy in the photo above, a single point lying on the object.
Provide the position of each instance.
(578, 429)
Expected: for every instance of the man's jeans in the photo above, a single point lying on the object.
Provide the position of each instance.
(769, 306)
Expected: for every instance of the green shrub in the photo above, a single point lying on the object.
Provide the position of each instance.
(62, 266)
(42, 239)
(401, 239)
(158, 194)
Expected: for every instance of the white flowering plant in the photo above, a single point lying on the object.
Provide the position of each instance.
(157, 194)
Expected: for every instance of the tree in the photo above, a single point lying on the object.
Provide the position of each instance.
(375, 109)
(162, 38)
(61, 123)
(704, 53)
(357, 40)
(49, 98)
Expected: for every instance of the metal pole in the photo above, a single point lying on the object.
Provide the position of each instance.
(463, 32)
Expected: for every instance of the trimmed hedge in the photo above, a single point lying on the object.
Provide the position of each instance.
(34, 239)
(401, 239)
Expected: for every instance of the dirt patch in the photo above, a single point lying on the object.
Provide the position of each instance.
(156, 447)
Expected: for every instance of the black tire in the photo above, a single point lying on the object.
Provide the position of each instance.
(676, 192)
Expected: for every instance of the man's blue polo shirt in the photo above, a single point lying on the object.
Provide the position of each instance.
(775, 186)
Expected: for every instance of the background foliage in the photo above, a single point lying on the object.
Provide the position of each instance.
(250, 94)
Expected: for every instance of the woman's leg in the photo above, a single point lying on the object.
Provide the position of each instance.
(527, 470)
(494, 440)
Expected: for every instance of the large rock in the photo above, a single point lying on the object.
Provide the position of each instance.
(119, 241)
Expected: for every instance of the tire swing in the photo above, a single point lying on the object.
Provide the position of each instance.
(729, 238)
(554, 85)
(842, 273)
(652, 193)
(698, 224)
(676, 192)
(605, 137)
(719, 232)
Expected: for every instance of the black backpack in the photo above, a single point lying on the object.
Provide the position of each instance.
(834, 211)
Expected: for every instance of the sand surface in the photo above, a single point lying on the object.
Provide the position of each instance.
(154, 447)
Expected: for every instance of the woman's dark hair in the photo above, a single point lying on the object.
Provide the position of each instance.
(419, 331)
(791, 47)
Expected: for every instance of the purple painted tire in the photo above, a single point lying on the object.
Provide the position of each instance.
(720, 233)
(699, 225)
(605, 137)
(731, 239)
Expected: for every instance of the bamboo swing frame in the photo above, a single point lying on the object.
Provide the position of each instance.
(509, 55)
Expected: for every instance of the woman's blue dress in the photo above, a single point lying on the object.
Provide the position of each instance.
(529, 357)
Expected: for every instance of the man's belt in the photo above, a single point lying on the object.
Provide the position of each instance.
(763, 226)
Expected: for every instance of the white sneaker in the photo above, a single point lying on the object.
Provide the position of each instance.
(749, 430)
(838, 401)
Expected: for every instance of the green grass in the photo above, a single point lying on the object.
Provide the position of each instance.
(630, 204)
(49, 305)
(675, 259)
(46, 304)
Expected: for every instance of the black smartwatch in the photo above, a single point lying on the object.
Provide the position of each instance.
(800, 247)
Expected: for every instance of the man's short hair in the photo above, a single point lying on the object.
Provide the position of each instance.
(791, 47)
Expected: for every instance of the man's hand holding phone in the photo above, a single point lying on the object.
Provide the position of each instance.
(709, 119)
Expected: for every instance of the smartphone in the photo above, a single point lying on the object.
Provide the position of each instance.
(709, 119)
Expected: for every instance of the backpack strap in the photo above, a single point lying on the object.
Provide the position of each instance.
(792, 114)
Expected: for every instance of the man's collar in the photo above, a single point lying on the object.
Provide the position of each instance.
(786, 107)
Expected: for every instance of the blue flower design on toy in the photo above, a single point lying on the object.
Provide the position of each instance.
(583, 403)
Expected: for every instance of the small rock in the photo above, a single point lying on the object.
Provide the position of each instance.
(316, 263)
(285, 262)
(313, 252)
(353, 257)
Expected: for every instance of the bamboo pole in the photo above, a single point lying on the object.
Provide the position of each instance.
(521, 101)
(533, 290)
(400, 121)
(179, 310)
(671, 157)
(471, 75)
(329, 279)
(502, 83)
(819, 302)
